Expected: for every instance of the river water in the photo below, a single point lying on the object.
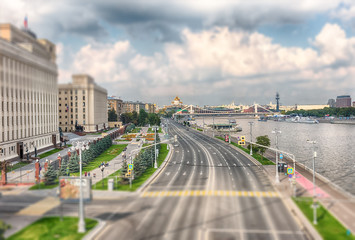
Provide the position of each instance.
(335, 145)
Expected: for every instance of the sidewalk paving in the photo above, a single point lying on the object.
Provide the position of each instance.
(31, 213)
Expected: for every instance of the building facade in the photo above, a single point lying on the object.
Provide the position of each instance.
(343, 101)
(82, 105)
(28, 93)
(116, 104)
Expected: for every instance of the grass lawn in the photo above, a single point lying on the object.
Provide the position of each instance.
(137, 182)
(199, 129)
(136, 130)
(258, 157)
(46, 154)
(52, 228)
(328, 226)
(42, 186)
(16, 166)
(122, 140)
(106, 156)
(150, 130)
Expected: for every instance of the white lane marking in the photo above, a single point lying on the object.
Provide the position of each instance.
(201, 162)
(174, 162)
(214, 153)
(201, 173)
(219, 164)
(188, 162)
(184, 173)
(234, 164)
(167, 173)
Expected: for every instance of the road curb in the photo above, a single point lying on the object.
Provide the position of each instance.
(101, 224)
(157, 172)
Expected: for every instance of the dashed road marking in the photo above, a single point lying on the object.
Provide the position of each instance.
(219, 193)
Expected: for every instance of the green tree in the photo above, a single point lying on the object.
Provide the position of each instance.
(3, 228)
(63, 168)
(142, 118)
(50, 176)
(112, 115)
(135, 118)
(74, 163)
(265, 141)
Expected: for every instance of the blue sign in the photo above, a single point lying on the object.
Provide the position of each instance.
(290, 175)
(281, 156)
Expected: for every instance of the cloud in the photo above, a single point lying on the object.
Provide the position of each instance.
(215, 65)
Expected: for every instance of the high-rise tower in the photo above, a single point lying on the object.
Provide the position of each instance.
(277, 102)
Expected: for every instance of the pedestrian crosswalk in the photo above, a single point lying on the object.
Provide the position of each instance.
(215, 193)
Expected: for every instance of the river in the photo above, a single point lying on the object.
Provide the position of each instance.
(335, 145)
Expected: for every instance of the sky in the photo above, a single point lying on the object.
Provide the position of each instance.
(206, 52)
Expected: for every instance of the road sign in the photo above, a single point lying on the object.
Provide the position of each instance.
(130, 166)
(290, 175)
(281, 156)
(290, 170)
(242, 138)
(241, 142)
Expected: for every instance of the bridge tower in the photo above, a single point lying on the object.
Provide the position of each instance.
(277, 102)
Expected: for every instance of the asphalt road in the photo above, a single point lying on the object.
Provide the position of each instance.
(206, 191)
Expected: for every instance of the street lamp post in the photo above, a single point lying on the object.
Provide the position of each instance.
(155, 148)
(81, 146)
(314, 183)
(213, 127)
(102, 167)
(251, 138)
(277, 178)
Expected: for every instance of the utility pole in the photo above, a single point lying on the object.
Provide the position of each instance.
(315, 205)
(277, 178)
(251, 138)
(213, 127)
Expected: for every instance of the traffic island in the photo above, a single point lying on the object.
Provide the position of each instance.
(54, 228)
(327, 225)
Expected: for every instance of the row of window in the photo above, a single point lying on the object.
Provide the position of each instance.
(71, 92)
(71, 116)
(71, 98)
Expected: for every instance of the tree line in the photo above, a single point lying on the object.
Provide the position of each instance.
(72, 165)
(335, 112)
(141, 119)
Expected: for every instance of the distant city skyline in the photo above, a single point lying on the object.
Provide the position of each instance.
(208, 53)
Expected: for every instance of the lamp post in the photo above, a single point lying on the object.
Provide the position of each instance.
(251, 138)
(276, 132)
(155, 148)
(213, 127)
(314, 183)
(79, 146)
(102, 167)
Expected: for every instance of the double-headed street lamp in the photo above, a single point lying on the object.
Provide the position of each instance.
(80, 146)
(251, 138)
(276, 132)
(314, 183)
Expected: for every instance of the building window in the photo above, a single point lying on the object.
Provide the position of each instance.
(83, 116)
(60, 99)
(60, 110)
(60, 104)
(60, 123)
(84, 98)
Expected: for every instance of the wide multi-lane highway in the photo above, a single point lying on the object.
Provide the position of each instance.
(207, 190)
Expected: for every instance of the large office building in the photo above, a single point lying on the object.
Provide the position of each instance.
(129, 106)
(82, 105)
(343, 101)
(28, 93)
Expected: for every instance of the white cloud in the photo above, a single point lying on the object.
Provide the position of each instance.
(218, 63)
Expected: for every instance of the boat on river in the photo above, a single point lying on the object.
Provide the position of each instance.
(299, 119)
(221, 127)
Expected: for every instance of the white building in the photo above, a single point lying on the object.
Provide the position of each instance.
(28, 92)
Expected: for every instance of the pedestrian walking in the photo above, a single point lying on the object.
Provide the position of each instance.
(89, 174)
(94, 175)
(86, 174)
